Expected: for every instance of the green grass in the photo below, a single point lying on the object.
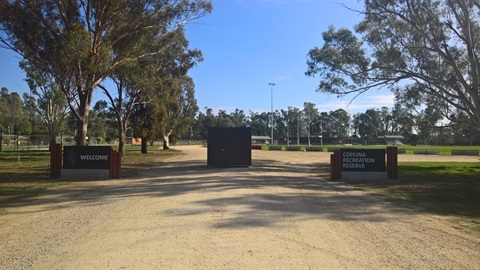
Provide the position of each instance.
(443, 150)
(25, 172)
(21, 166)
(449, 189)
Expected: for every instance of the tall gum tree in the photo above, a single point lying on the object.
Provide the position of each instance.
(159, 95)
(45, 100)
(427, 50)
(74, 40)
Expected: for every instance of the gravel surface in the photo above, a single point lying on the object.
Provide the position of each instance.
(281, 213)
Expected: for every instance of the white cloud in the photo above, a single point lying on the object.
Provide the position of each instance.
(360, 104)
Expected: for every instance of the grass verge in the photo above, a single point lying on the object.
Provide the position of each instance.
(27, 172)
(24, 172)
(448, 189)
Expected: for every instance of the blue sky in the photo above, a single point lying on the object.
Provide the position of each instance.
(247, 44)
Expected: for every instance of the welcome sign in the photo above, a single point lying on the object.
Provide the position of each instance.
(86, 157)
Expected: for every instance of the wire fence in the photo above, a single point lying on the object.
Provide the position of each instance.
(42, 142)
(31, 142)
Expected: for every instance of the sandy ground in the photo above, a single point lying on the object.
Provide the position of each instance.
(281, 213)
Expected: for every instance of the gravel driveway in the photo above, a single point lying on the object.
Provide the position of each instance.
(281, 213)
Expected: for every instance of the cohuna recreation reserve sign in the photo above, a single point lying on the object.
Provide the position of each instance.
(86, 157)
(363, 160)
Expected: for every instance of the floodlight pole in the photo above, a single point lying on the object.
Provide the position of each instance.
(271, 96)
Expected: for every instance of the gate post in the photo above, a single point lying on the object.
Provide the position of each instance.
(115, 163)
(110, 174)
(55, 160)
(335, 165)
(332, 167)
(118, 165)
(392, 162)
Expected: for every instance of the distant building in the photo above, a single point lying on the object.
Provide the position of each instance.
(133, 141)
(392, 139)
(261, 139)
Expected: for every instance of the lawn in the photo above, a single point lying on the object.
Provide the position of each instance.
(443, 150)
(450, 189)
(27, 172)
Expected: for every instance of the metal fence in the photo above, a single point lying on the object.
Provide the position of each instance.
(42, 142)
(31, 142)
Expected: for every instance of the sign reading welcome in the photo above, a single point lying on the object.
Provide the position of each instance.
(86, 157)
(363, 160)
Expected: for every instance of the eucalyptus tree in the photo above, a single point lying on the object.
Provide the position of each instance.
(177, 114)
(426, 50)
(45, 100)
(324, 119)
(74, 40)
(425, 123)
(3, 109)
(340, 124)
(297, 123)
(202, 122)
(14, 116)
(259, 123)
(403, 121)
(311, 114)
(102, 122)
(283, 125)
(386, 121)
(239, 118)
(367, 124)
(160, 86)
(224, 119)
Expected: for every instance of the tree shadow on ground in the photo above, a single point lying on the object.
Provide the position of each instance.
(276, 189)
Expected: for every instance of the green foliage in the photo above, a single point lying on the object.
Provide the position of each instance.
(426, 51)
(80, 43)
(46, 104)
(14, 117)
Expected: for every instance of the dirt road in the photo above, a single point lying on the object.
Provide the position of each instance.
(281, 213)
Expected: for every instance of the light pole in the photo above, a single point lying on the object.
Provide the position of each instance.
(288, 127)
(298, 128)
(271, 91)
(321, 132)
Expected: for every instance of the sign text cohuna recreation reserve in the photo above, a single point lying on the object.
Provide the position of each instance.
(363, 160)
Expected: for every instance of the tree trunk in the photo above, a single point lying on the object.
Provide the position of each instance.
(53, 138)
(82, 124)
(166, 143)
(53, 134)
(122, 134)
(144, 146)
(82, 127)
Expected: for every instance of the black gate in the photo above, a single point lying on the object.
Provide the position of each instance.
(229, 147)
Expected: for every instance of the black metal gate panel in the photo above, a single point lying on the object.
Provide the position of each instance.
(229, 146)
